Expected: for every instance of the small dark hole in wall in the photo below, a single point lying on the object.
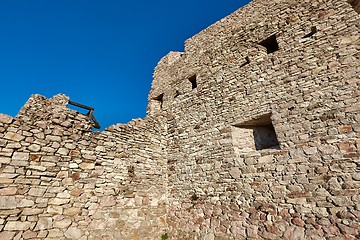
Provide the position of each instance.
(159, 99)
(177, 93)
(270, 44)
(313, 31)
(131, 171)
(247, 61)
(194, 197)
(193, 81)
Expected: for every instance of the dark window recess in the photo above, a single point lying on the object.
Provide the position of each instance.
(263, 133)
(355, 4)
(313, 31)
(193, 81)
(270, 44)
(159, 100)
(247, 61)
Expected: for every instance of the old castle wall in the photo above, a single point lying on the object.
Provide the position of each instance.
(59, 180)
(252, 132)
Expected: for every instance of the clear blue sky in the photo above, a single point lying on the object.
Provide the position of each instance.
(100, 53)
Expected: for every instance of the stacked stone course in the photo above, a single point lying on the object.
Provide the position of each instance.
(60, 180)
(251, 133)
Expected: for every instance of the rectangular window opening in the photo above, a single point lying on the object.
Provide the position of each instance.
(158, 101)
(256, 134)
(193, 82)
(270, 44)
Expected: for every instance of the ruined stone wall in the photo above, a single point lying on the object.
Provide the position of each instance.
(59, 180)
(286, 67)
(252, 133)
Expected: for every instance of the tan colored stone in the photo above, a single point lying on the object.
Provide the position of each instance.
(107, 201)
(31, 211)
(20, 156)
(8, 191)
(25, 203)
(44, 224)
(17, 226)
(72, 211)
(86, 166)
(62, 223)
(7, 235)
(34, 148)
(36, 192)
(57, 210)
(235, 172)
(73, 233)
(13, 136)
(7, 202)
(58, 201)
(5, 118)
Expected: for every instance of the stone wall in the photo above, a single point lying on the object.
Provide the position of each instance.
(252, 133)
(290, 66)
(59, 180)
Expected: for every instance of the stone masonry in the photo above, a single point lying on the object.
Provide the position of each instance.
(251, 133)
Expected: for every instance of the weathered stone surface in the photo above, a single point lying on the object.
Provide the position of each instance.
(19, 156)
(43, 224)
(37, 192)
(54, 209)
(7, 235)
(7, 202)
(58, 201)
(8, 191)
(252, 132)
(62, 223)
(17, 226)
(72, 211)
(5, 118)
(31, 211)
(73, 233)
(25, 203)
(13, 136)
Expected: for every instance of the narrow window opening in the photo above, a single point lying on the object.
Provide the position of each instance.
(177, 93)
(159, 101)
(355, 4)
(270, 44)
(247, 61)
(193, 81)
(256, 134)
(313, 31)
